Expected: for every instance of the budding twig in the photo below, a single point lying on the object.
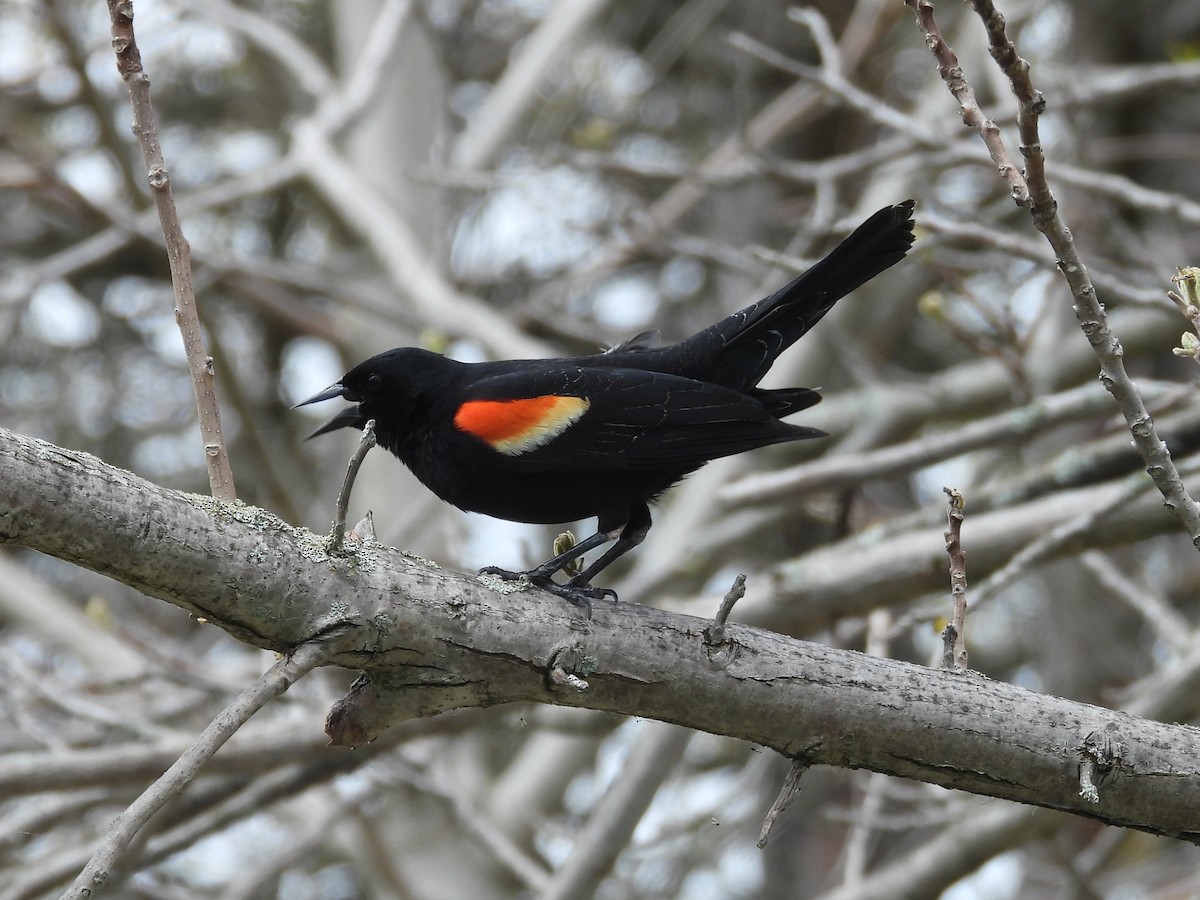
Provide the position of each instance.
(1188, 301)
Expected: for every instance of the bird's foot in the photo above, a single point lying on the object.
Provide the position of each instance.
(577, 593)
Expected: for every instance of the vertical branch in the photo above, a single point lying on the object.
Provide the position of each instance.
(954, 655)
(200, 364)
(338, 535)
(1033, 190)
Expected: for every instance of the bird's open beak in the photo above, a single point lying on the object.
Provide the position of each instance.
(334, 390)
(350, 417)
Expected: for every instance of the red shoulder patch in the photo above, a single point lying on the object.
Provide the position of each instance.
(517, 426)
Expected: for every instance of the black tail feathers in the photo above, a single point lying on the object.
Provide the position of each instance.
(754, 337)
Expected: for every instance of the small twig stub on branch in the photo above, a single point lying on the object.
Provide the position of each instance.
(1099, 755)
(715, 633)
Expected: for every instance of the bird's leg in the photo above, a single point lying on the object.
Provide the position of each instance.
(541, 575)
(634, 532)
(627, 533)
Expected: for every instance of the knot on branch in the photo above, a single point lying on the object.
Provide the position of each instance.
(1100, 754)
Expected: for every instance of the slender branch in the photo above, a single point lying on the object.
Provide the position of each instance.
(129, 64)
(972, 115)
(1033, 191)
(64, 21)
(1051, 543)
(849, 469)
(271, 684)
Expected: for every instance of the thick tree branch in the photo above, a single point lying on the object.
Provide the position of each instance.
(430, 640)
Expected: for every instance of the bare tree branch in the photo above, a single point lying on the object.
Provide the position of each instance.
(129, 64)
(430, 640)
(954, 637)
(1031, 189)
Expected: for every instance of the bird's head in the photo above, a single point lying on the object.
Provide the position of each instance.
(385, 388)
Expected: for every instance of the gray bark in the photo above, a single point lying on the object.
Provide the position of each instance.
(430, 640)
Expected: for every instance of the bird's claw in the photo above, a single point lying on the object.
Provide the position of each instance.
(580, 595)
(592, 593)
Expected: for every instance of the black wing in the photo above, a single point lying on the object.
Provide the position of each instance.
(635, 420)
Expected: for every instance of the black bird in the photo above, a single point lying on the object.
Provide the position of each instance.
(557, 440)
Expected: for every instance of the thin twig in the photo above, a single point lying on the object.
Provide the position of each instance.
(1049, 544)
(972, 115)
(338, 536)
(954, 638)
(129, 64)
(171, 783)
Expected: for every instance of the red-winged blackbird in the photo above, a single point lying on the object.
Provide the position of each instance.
(557, 440)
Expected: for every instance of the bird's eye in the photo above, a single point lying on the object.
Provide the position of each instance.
(373, 382)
